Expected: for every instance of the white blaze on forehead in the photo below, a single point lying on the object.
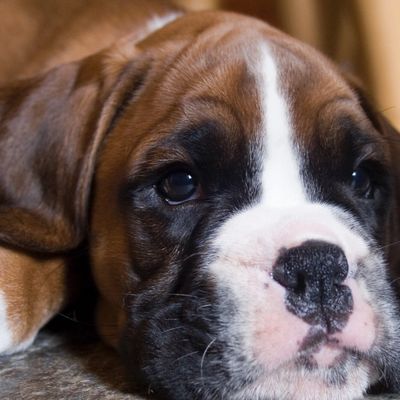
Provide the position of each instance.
(281, 182)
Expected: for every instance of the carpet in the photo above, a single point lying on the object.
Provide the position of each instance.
(68, 361)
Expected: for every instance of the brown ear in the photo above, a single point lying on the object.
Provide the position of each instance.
(50, 132)
(392, 138)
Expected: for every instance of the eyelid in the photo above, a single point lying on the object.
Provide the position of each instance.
(373, 161)
(157, 158)
(370, 150)
(146, 174)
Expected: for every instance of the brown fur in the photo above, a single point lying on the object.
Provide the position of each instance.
(43, 209)
(36, 35)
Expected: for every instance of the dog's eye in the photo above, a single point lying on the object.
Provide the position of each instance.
(178, 187)
(361, 183)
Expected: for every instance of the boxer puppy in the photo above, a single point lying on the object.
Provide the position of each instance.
(240, 201)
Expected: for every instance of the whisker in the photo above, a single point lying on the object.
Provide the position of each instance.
(379, 112)
(131, 294)
(395, 280)
(173, 329)
(75, 320)
(204, 306)
(204, 356)
(389, 245)
(186, 355)
(200, 253)
(184, 295)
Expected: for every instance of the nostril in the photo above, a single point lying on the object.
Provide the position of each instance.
(289, 278)
(279, 273)
(301, 284)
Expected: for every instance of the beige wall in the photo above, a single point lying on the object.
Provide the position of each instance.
(198, 4)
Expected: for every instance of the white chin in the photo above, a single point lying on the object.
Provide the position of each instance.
(346, 379)
(327, 357)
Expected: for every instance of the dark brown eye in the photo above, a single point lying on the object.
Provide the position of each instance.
(361, 183)
(178, 187)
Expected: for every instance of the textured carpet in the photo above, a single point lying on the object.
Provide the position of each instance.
(67, 361)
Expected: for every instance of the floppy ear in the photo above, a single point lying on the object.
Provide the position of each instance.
(392, 138)
(51, 128)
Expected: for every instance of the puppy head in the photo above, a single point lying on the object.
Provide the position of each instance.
(242, 205)
(241, 214)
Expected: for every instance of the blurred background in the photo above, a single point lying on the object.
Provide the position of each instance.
(363, 36)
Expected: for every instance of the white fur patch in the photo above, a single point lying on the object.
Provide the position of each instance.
(5, 332)
(281, 183)
(159, 21)
(291, 384)
(15, 348)
(7, 345)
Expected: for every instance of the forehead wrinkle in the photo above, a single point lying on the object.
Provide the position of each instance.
(313, 85)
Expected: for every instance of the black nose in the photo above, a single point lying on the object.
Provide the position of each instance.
(313, 274)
